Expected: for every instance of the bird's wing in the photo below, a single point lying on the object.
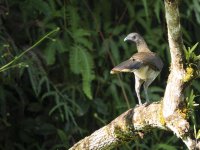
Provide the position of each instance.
(150, 59)
(127, 66)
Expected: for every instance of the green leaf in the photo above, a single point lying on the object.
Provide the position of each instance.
(158, 8)
(196, 5)
(118, 29)
(130, 8)
(34, 78)
(62, 136)
(191, 99)
(58, 106)
(42, 6)
(186, 53)
(60, 46)
(80, 37)
(165, 147)
(44, 81)
(84, 42)
(80, 33)
(145, 7)
(73, 17)
(81, 63)
(193, 47)
(198, 134)
(52, 48)
(31, 6)
(50, 53)
(190, 56)
(74, 60)
(114, 49)
(87, 72)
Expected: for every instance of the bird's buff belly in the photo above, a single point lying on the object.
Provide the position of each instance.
(145, 73)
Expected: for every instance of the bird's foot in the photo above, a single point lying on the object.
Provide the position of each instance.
(138, 105)
(146, 103)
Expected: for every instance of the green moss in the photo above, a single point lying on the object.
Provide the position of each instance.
(124, 133)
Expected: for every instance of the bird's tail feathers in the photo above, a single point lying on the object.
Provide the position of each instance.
(126, 66)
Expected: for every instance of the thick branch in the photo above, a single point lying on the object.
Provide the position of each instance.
(132, 124)
(128, 126)
(173, 101)
(174, 90)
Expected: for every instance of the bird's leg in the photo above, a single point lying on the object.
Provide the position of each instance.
(145, 91)
(147, 83)
(138, 83)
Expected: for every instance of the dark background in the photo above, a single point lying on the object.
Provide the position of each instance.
(67, 92)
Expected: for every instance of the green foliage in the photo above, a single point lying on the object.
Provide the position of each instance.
(191, 106)
(198, 135)
(81, 61)
(192, 62)
(165, 147)
(190, 56)
(61, 90)
(194, 8)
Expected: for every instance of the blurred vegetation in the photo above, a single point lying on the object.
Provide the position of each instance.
(67, 92)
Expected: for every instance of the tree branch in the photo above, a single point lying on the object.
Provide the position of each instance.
(174, 94)
(169, 114)
(174, 100)
(128, 126)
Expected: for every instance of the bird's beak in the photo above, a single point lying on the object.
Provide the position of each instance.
(127, 38)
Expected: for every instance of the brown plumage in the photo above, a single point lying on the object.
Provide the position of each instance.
(145, 64)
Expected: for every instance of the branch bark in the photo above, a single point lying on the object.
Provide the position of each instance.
(132, 124)
(168, 114)
(174, 94)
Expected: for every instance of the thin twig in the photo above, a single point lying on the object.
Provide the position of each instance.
(30, 48)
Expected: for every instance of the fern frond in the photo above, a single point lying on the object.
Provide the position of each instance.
(73, 17)
(81, 63)
(74, 60)
(50, 53)
(36, 71)
(87, 72)
(80, 37)
(85, 42)
(80, 33)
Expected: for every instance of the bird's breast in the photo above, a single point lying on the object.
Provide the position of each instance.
(145, 73)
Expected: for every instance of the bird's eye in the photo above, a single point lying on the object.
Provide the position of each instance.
(134, 37)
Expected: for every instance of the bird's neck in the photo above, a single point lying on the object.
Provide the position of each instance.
(142, 46)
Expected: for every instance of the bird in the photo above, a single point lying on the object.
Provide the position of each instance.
(145, 64)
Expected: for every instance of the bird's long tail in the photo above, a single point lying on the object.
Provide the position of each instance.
(126, 66)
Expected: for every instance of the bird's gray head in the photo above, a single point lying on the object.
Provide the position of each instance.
(135, 37)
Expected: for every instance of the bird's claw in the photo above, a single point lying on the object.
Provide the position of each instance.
(146, 103)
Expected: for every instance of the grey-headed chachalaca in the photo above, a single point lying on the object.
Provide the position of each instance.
(145, 64)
